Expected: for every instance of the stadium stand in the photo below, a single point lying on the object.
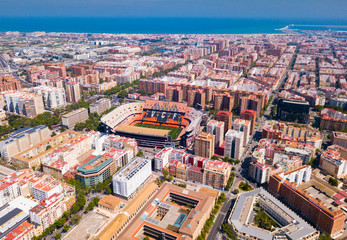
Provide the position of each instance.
(159, 113)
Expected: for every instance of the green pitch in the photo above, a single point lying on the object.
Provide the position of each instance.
(174, 132)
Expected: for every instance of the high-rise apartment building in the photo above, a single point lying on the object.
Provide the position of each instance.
(24, 103)
(250, 115)
(174, 94)
(196, 98)
(81, 70)
(251, 102)
(131, 177)
(243, 126)
(204, 145)
(52, 97)
(73, 92)
(227, 118)
(223, 102)
(153, 86)
(233, 147)
(217, 129)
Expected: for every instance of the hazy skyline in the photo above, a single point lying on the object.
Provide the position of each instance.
(290, 9)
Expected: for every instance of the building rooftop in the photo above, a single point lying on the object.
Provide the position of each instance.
(110, 201)
(74, 112)
(131, 169)
(296, 228)
(188, 222)
(205, 136)
(121, 218)
(225, 113)
(95, 164)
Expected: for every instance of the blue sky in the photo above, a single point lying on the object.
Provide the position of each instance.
(279, 9)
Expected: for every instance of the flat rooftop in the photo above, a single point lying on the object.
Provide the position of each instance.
(74, 112)
(131, 169)
(95, 164)
(186, 220)
(296, 228)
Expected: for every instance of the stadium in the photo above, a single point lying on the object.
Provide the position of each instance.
(155, 123)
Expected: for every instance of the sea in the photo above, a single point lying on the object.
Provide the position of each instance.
(155, 25)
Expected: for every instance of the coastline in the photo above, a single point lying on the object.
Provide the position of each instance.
(151, 25)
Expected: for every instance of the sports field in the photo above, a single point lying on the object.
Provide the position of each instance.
(174, 132)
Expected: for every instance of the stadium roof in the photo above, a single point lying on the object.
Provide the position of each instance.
(142, 131)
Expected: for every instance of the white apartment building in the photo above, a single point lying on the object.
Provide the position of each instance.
(217, 129)
(233, 146)
(131, 177)
(243, 126)
(46, 188)
(8, 192)
(47, 213)
(161, 159)
(24, 103)
(100, 106)
(298, 176)
(52, 97)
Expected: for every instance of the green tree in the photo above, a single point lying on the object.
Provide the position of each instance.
(165, 173)
(311, 162)
(170, 178)
(324, 236)
(122, 94)
(146, 238)
(333, 181)
(264, 221)
(108, 190)
(227, 230)
(139, 153)
(60, 222)
(245, 187)
(66, 227)
(57, 236)
(318, 108)
(222, 197)
(182, 185)
(214, 157)
(63, 129)
(76, 219)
